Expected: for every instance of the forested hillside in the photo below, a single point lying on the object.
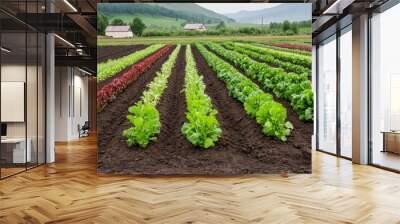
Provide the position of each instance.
(161, 19)
(189, 12)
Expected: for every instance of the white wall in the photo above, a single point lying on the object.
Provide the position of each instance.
(62, 82)
(119, 34)
(71, 94)
(13, 101)
(12, 73)
(80, 112)
(9, 73)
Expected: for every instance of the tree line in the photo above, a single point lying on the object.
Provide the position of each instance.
(140, 29)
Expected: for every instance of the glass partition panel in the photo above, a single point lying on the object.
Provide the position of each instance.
(327, 95)
(22, 67)
(14, 153)
(346, 92)
(385, 89)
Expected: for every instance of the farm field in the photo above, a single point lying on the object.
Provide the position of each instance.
(207, 107)
(300, 39)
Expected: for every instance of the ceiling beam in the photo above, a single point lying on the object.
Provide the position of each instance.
(86, 27)
(77, 61)
(337, 7)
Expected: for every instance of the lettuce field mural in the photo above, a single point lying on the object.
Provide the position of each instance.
(202, 102)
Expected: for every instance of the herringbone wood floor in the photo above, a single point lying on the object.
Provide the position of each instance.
(70, 191)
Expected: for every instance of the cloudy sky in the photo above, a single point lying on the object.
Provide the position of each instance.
(224, 8)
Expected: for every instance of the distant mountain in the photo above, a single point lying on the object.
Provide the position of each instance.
(280, 13)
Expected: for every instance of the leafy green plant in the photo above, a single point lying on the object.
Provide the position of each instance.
(111, 67)
(303, 102)
(254, 102)
(270, 115)
(146, 124)
(144, 116)
(201, 127)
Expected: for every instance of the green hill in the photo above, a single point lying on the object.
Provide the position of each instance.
(161, 15)
(193, 8)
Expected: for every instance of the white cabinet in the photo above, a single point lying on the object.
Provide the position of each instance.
(18, 149)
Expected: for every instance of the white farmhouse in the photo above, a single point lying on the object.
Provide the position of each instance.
(195, 26)
(119, 31)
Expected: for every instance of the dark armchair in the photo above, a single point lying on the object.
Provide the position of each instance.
(84, 130)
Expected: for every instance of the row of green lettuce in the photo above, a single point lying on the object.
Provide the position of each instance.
(269, 114)
(296, 88)
(111, 67)
(144, 116)
(201, 127)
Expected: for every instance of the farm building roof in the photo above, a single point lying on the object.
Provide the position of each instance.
(194, 26)
(118, 29)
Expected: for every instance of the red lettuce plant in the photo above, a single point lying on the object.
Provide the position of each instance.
(109, 91)
(293, 46)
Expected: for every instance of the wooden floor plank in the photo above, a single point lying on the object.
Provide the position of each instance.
(70, 191)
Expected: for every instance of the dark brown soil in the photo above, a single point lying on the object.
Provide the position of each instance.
(242, 149)
(111, 52)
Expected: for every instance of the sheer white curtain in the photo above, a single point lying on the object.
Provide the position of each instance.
(385, 78)
(346, 92)
(327, 95)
